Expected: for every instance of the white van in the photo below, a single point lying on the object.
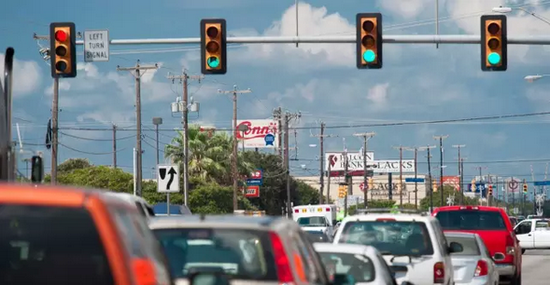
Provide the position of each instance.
(316, 217)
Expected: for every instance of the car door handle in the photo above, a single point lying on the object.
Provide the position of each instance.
(528, 235)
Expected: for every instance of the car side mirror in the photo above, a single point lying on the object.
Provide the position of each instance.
(209, 278)
(455, 247)
(341, 279)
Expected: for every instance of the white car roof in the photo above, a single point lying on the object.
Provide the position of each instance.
(345, 248)
(397, 217)
(127, 197)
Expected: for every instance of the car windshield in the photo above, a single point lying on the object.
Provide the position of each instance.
(358, 266)
(319, 221)
(246, 254)
(317, 236)
(471, 220)
(469, 245)
(390, 237)
(53, 245)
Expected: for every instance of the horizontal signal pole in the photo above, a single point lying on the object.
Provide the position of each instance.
(388, 39)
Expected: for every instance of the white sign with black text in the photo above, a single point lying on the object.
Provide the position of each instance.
(355, 160)
(168, 180)
(392, 166)
(96, 45)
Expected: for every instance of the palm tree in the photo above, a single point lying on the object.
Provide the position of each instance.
(209, 156)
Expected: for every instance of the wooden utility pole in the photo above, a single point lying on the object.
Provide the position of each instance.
(441, 138)
(400, 148)
(278, 115)
(288, 117)
(460, 174)
(322, 137)
(137, 75)
(185, 124)
(366, 137)
(429, 156)
(234, 164)
(114, 146)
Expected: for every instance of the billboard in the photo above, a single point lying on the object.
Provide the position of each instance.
(453, 181)
(355, 161)
(392, 166)
(258, 134)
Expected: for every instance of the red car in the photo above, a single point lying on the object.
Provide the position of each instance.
(493, 225)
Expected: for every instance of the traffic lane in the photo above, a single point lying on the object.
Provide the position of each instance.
(535, 265)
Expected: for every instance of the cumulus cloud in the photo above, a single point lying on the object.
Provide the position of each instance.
(27, 76)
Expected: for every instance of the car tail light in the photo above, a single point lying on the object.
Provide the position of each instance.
(510, 245)
(439, 272)
(481, 269)
(327, 209)
(282, 263)
(296, 211)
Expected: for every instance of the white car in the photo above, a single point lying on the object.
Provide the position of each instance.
(364, 263)
(412, 244)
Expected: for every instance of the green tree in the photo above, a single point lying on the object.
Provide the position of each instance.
(99, 177)
(73, 164)
(212, 198)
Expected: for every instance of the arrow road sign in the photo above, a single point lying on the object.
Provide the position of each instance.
(168, 179)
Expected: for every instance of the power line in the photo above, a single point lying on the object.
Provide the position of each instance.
(427, 122)
(96, 139)
(90, 153)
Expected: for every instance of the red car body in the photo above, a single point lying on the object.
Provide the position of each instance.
(493, 225)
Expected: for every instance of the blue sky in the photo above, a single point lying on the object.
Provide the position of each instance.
(417, 82)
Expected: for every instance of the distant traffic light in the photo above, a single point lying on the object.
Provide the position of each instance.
(490, 192)
(370, 183)
(37, 169)
(63, 50)
(213, 46)
(369, 40)
(525, 188)
(342, 190)
(494, 43)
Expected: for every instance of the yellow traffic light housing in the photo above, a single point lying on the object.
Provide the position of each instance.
(342, 190)
(213, 46)
(370, 183)
(490, 193)
(494, 43)
(63, 50)
(369, 40)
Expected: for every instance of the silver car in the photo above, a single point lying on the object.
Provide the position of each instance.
(474, 264)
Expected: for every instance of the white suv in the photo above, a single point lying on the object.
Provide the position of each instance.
(412, 244)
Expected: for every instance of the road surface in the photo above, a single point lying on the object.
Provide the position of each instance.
(536, 267)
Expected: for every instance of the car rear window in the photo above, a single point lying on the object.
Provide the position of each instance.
(469, 245)
(317, 236)
(319, 221)
(54, 245)
(471, 220)
(356, 265)
(246, 254)
(407, 238)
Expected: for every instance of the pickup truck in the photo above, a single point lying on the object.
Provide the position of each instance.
(533, 234)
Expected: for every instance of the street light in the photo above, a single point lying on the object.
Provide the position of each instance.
(504, 10)
(531, 78)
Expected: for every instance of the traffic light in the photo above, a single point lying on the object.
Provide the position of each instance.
(494, 43)
(37, 169)
(342, 190)
(369, 40)
(213, 46)
(525, 188)
(490, 192)
(370, 183)
(63, 50)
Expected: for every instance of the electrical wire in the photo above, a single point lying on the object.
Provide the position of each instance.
(92, 153)
(96, 139)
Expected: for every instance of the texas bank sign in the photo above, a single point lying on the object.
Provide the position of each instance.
(335, 161)
(258, 133)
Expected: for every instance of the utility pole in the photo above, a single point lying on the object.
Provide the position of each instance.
(55, 129)
(366, 137)
(288, 117)
(441, 138)
(346, 169)
(429, 156)
(137, 75)
(235, 92)
(114, 146)
(460, 146)
(415, 149)
(184, 77)
(322, 137)
(400, 148)
(278, 115)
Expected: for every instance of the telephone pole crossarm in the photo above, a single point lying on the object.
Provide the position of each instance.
(137, 75)
(366, 136)
(234, 163)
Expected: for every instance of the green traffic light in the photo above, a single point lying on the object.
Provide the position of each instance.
(369, 56)
(213, 62)
(493, 58)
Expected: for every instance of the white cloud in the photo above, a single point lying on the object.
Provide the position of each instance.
(27, 76)
(379, 94)
(408, 9)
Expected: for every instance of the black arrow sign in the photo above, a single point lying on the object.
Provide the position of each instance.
(172, 172)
